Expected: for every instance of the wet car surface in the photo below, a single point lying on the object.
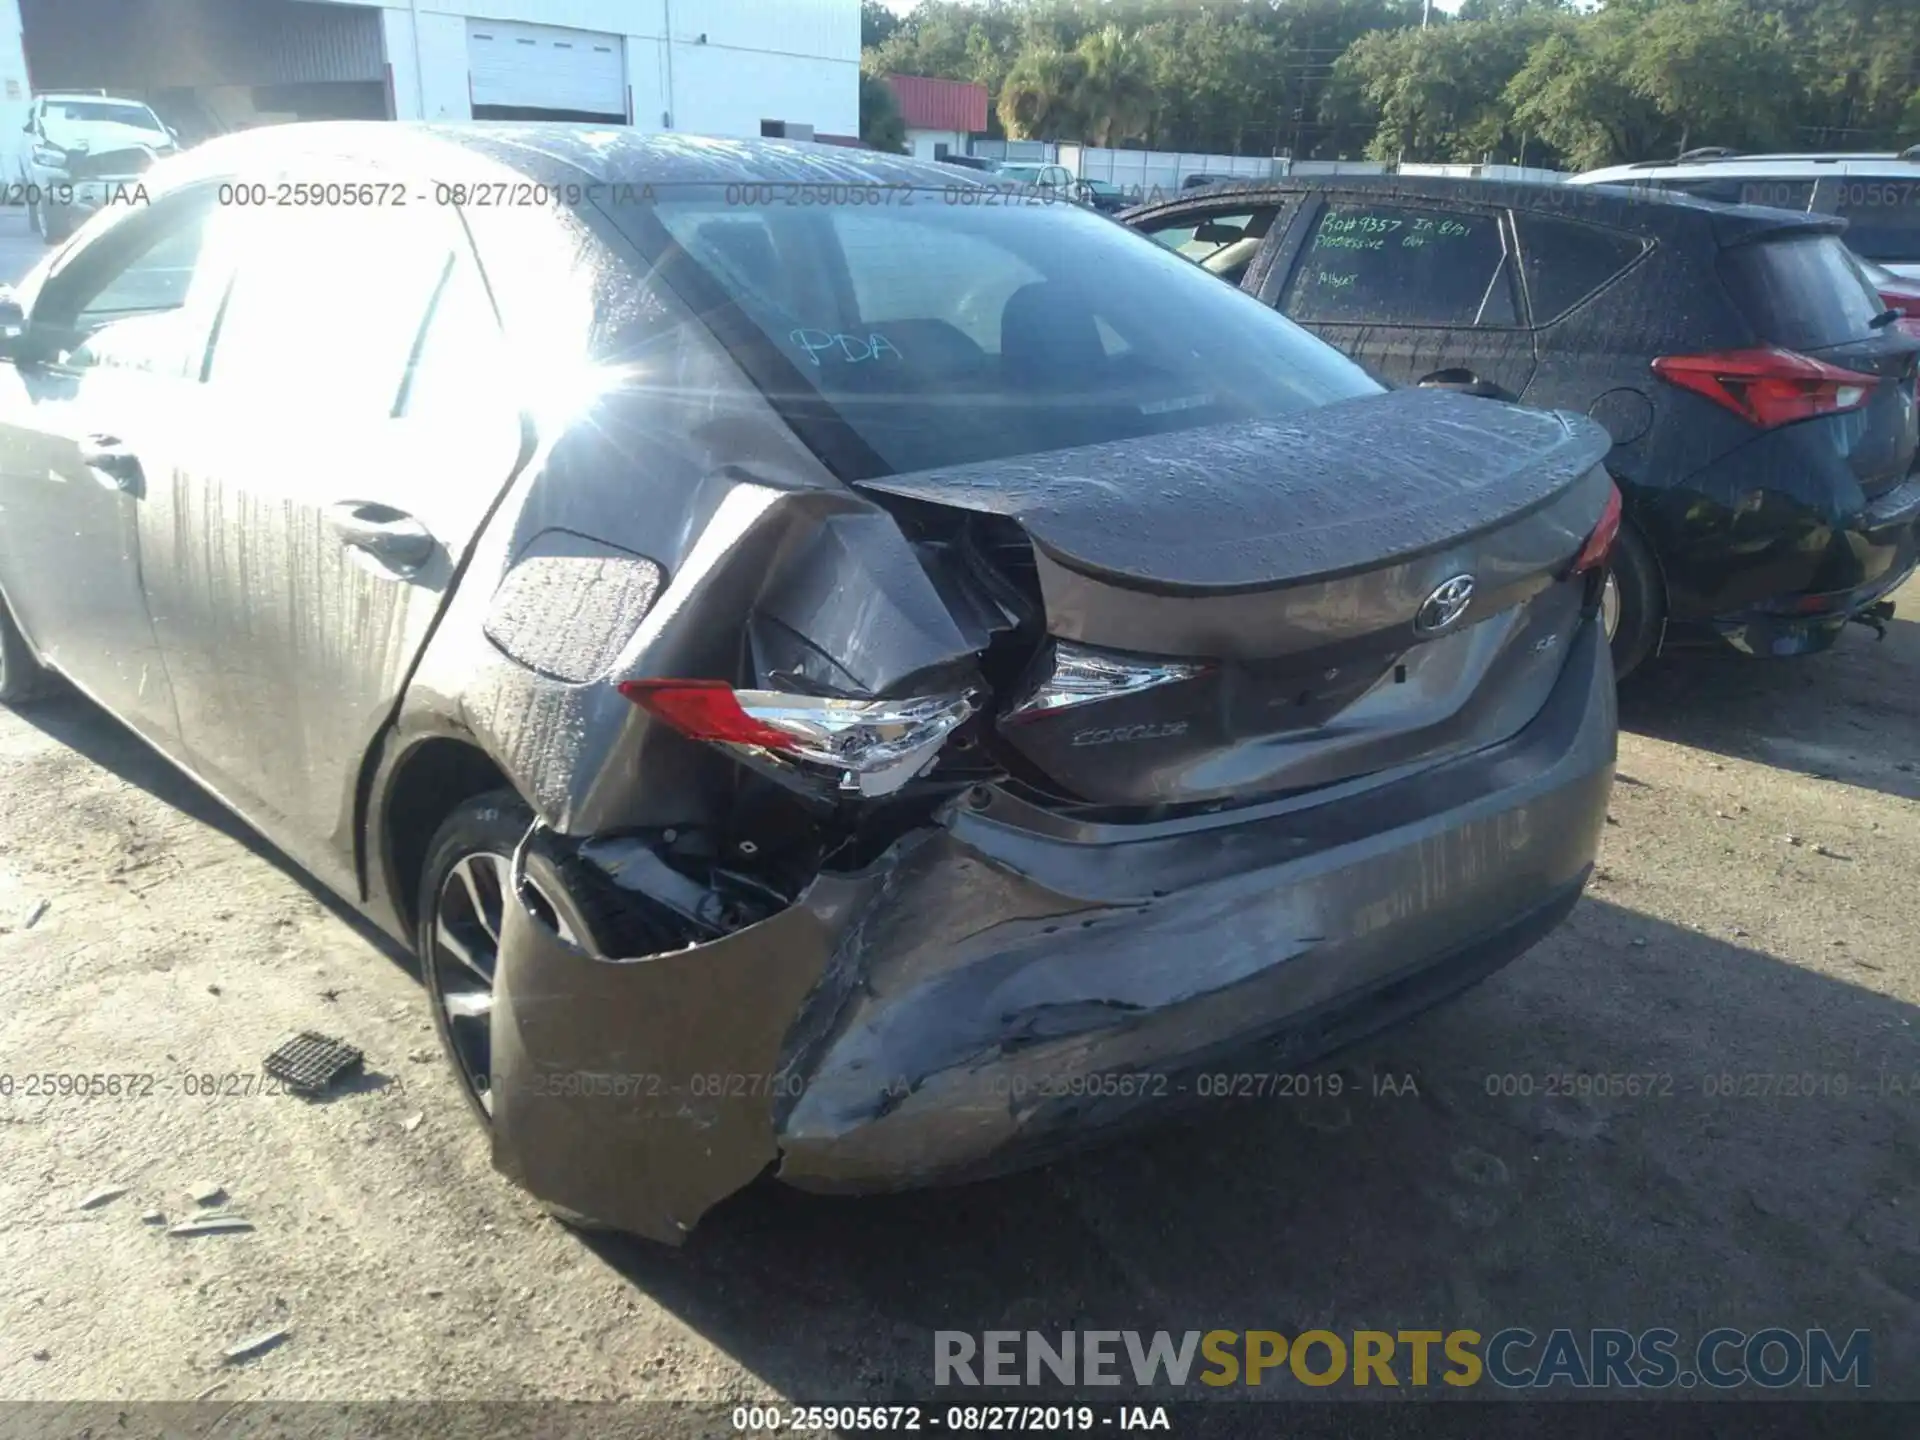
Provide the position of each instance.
(810, 708)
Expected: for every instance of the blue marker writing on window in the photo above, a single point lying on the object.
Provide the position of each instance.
(854, 349)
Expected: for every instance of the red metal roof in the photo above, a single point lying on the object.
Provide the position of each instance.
(929, 104)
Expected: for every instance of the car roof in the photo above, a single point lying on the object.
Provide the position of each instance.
(88, 95)
(1761, 167)
(560, 152)
(1620, 205)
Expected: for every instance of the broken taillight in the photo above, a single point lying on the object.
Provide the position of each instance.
(1081, 675)
(1599, 544)
(1768, 386)
(868, 747)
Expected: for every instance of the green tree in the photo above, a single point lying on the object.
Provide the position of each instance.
(877, 22)
(1116, 91)
(880, 122)
(1040, 99)
(1441, 93)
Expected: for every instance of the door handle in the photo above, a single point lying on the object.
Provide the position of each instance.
(389, 535)
(113, 465)
(1467, 383)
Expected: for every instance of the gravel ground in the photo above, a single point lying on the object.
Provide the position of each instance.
(1754, 916)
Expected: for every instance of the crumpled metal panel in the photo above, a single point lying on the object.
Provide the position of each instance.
(676, 1110)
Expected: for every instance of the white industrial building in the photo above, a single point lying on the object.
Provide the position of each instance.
(706, 67)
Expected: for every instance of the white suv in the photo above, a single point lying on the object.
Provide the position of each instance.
(82, 152)
(1878, 194)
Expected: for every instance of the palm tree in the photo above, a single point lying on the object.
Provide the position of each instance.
(1040, 99)
(1115, 96)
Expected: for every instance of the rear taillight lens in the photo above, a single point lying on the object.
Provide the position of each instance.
(1768, 386)
(1593, 555)
(867, 747)
(1081, 675)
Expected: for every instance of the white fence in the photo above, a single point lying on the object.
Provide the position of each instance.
(1148, 172)
(1488, 172)
(1163, 170)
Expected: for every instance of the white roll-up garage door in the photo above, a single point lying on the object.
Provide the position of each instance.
(543, 67)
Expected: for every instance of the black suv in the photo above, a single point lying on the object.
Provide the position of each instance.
(1759, 395)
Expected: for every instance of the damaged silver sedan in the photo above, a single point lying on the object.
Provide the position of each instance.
(837, 671)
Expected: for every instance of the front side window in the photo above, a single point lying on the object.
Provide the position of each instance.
(119, 294)
(327, 305)
(946, 333)
(1401, 265)
(1222, 243)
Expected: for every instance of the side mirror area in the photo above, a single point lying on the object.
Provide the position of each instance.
(17, 341)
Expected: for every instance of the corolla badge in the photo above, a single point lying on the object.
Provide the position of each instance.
(1442, 610)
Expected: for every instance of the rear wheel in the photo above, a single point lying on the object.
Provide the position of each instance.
(1632, 604)
(465, 888)
(22, 678)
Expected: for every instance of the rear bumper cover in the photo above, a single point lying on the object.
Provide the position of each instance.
(997, 987)
(1883, 543)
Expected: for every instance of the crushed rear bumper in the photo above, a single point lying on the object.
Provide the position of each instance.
(1003, 984)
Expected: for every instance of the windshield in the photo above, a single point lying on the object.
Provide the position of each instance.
(947, 333)
(95, 112)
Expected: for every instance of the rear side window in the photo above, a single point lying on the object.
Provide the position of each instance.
(1804, 293)
(1397, 265)
(1565, 261)
(1883, 218)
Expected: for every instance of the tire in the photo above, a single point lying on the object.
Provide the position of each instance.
(1640, 602)
(23, 679)
(463, 891)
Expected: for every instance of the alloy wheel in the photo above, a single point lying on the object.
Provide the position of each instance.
(465, 955)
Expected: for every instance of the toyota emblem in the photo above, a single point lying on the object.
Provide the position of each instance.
(1442, 610)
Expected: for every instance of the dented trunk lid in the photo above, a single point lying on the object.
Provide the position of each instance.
(1374, 583)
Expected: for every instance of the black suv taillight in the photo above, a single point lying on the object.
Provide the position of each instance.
(1768, 386)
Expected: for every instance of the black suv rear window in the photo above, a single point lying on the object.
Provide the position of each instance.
(1804, 292)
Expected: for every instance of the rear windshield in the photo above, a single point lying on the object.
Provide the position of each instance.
(1883, 218)
(1804, 293)
(943, 332)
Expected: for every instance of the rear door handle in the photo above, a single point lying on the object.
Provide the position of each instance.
(113, 465)
(389, 535)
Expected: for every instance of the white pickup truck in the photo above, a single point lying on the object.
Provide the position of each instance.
(83, 151)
